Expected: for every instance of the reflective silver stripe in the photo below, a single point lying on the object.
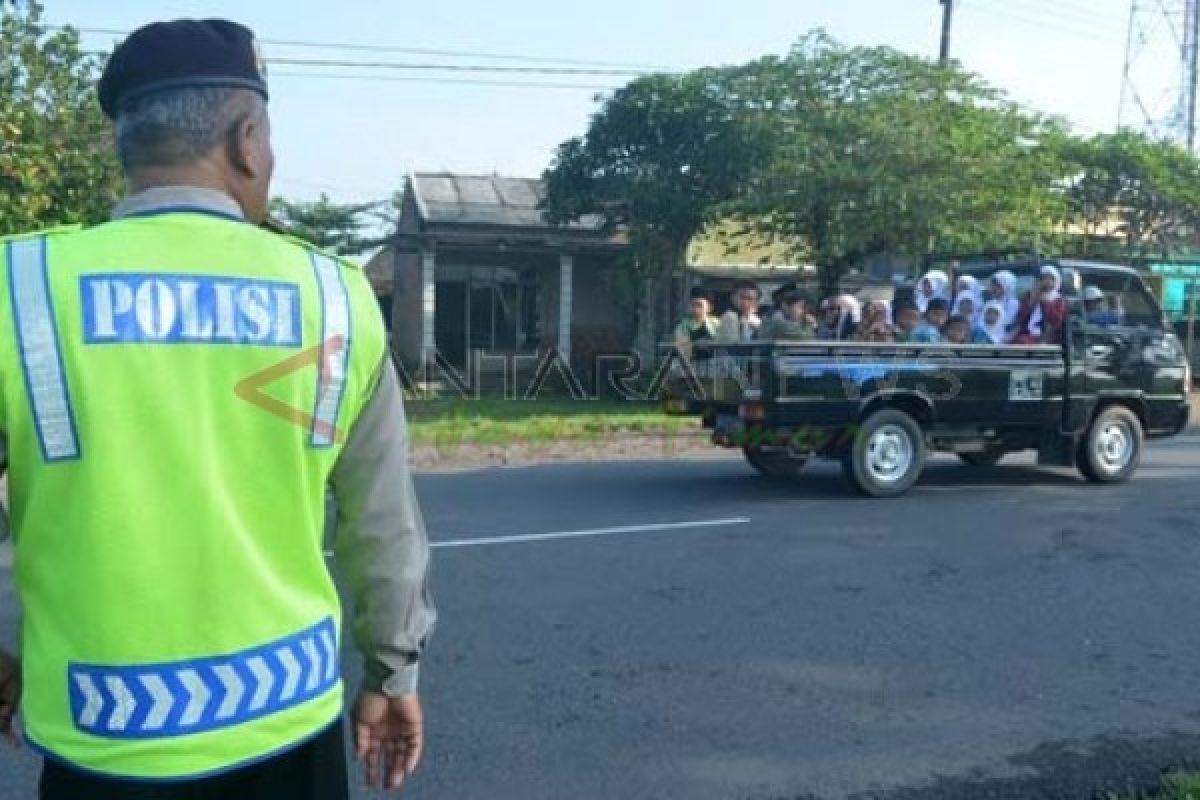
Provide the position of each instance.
(37, 340)
(335, 341)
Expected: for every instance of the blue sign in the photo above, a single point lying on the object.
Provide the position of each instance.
(154, 308)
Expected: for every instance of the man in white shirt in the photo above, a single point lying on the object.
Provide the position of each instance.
(741, 324)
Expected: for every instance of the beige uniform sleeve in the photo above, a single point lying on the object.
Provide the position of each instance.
(380, 542)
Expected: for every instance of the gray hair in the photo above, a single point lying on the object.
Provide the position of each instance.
(177, 127)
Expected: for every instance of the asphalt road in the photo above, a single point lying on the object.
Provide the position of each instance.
(998, 633)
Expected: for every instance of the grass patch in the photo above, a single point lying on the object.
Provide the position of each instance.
(446, 423)
(1183, 786)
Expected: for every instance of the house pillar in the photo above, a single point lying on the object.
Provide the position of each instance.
(566, 276)
(428, 303)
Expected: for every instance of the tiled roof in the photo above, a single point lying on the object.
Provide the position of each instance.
(485, 200)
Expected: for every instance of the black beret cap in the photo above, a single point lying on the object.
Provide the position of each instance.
(186, 53)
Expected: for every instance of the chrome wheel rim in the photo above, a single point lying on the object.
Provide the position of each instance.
(889, 454)
(1114, 446)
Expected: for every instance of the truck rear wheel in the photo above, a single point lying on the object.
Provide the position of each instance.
(1112, 450)
(887, 456)
(773, 463)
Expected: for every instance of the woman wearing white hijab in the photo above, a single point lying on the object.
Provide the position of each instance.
(1049, 310)
(1003, 289)
(969, 306)
(934, 283)
(970, 284)
(992, 322)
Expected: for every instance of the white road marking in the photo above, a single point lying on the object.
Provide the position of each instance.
(624, 529)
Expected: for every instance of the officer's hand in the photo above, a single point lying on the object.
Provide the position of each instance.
(389, 734)
(10, 697)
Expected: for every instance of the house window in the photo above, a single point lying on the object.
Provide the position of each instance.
(493, 309)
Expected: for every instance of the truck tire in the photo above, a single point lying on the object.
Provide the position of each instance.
(773, 463)
(987, 458)
(887, 456)
(1112, 450)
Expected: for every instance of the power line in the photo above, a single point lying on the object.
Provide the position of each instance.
(1075, 15)
(399, 65)
(421, 51)
(456, 81)
(1043, 23)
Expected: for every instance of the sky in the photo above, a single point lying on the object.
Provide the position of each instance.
(357, 139)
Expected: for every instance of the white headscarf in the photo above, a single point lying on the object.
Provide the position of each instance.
(1009, 303)
(969, 283)
(1035, 319)
(976, 307)
(996, 332)
(939, 282)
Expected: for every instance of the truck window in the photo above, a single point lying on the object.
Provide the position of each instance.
(1129, 297)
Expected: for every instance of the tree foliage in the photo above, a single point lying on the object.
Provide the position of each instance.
(877, 151)
(1127, 186)
(346, 229)
(57, 164)
(849, 152)
(659, 158)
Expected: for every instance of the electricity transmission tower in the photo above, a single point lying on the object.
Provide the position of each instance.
(1162, 66)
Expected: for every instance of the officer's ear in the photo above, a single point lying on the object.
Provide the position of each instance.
(241, 148)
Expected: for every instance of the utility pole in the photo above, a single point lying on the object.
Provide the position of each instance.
(947, 21)
(1162, 71)
(1191, 55)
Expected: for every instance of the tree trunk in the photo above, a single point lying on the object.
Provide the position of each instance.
(653, 326)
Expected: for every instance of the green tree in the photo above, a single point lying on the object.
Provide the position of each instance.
(1143, 191)
(658, 159)
(57, 162)
(341, 228)
(878, 151)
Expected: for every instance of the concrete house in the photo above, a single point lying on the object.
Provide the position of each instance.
(475, 268)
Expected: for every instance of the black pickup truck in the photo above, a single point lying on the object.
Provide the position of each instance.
(1089, 402)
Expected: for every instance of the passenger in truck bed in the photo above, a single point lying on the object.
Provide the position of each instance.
(793, 323)
(1003, 289)
(993, 323)
(741, 324)
(876, 324)
(1045, 312)
(959, 330)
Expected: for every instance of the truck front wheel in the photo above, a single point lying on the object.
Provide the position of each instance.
(773, 463)
(1112, 449)
(887, 455)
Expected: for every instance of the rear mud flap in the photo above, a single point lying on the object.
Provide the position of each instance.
(1057, 450)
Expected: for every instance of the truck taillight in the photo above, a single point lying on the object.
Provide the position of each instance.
(752, 411)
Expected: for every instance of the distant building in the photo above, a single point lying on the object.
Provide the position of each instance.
(476, 267)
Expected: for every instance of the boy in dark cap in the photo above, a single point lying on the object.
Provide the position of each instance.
(698, 326)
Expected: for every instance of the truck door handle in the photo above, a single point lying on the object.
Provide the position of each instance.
(1099, 351)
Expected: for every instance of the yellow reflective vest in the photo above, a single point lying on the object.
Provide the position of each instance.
(175, 390)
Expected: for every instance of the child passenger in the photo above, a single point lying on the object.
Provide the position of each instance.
(876, 323)
(993, 323)
(794, 323)
(959, 330)
(927, 330)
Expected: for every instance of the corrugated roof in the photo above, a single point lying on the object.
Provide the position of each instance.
(492, 200)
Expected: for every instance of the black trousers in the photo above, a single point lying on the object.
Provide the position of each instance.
(313, 771)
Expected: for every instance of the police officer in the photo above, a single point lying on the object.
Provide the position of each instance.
(181, 388)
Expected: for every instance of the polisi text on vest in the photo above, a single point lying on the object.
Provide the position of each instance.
(189, 309)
